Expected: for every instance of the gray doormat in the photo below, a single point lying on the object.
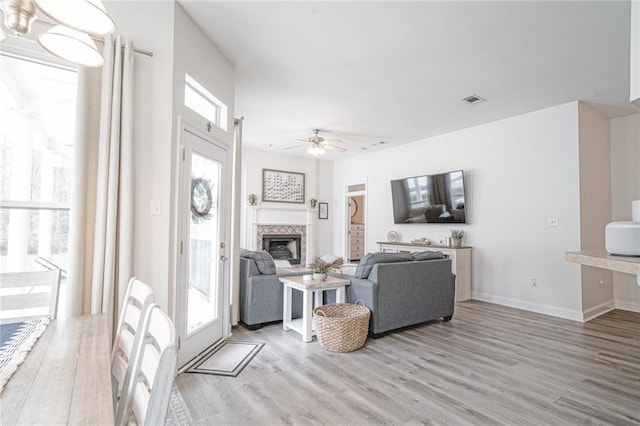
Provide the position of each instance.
(227, 359)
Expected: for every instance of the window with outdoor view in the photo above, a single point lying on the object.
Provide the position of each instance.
(37, 122)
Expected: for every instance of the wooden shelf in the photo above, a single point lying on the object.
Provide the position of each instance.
(602, 259)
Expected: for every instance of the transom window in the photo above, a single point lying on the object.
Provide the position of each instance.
(201, 101)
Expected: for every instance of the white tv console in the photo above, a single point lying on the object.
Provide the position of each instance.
(460, 262)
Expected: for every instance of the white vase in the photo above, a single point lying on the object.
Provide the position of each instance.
(319, 277)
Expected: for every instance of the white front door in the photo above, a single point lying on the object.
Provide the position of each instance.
(203, 269)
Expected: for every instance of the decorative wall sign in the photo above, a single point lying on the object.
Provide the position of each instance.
(282, 187)
(323, 210)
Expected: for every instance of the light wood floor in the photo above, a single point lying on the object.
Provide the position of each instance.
(489, 365)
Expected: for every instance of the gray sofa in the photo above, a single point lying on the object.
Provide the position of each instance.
(261, 295)
(399, 290)
(403, 292)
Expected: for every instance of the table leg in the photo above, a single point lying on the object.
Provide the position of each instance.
(318, 297)
(286, 307)
(341, 295)
(307, 315)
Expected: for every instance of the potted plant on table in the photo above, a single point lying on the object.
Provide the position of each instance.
(252, 199)
(313, 203)
(320, 269)
(456, 236)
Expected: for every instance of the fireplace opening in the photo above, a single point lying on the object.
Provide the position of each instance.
(283, 247)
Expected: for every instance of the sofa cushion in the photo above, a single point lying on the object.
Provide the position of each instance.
(263, 260)
(427, 255)
(366, 263)
(434, 212)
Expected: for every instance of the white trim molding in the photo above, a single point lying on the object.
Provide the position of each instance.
(555, 311)
(627, 306)
(597, 310)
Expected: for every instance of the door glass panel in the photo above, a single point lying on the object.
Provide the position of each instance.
(204, 243)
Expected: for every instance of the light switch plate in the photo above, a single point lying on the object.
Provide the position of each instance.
(156, 208)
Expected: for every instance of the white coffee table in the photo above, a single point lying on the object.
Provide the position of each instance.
(309, 288)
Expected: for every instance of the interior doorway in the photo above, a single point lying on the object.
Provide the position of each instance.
(356, 222)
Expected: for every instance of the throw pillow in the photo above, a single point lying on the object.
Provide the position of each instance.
(263, 259)
(427, 255)
(348, 270)
(332, 260)
(366, 263)
(329, 258)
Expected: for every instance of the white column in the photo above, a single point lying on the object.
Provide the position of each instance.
(46, 194)
(311, 233)
(252, 228)
(20, 129)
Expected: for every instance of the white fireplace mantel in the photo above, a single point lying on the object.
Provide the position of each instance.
(281, 215)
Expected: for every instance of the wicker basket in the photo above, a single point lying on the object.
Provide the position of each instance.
(342, 327)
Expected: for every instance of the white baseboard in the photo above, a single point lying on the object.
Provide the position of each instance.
(555, 311)
(597, 310)
(627, 306)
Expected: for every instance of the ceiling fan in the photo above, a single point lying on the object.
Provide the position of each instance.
(318, 144)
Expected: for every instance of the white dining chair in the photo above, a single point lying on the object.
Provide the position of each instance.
(137, 299)
(145, 397)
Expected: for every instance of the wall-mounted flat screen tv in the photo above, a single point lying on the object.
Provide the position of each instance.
(429, 199)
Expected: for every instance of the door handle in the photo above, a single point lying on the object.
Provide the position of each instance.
(223, 258)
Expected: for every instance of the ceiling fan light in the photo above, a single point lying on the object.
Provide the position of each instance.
(88, 16)
(315, 150)
(18, 15)
(71, 45)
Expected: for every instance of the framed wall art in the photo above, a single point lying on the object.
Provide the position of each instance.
(282, 187)
(323, 210)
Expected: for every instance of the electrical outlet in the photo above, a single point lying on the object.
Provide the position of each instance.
(532, 281)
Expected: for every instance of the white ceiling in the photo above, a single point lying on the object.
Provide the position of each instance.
(397, 71)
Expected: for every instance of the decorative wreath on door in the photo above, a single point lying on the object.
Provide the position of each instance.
(201, 199)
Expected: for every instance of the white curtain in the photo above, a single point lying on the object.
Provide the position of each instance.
(101, 228)
(236, 216)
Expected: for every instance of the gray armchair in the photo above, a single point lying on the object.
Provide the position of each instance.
(261, 296)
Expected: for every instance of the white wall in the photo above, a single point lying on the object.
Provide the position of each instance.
(178, 46)
(324, 193)
(625, 184)
(595, 208)
(196, 55)
(150, 26)
(318, 184)
(518, 173)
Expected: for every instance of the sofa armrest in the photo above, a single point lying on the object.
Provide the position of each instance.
(261, 298)
(248, 268)
(359, 289)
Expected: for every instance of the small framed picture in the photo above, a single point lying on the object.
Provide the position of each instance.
(323, 210)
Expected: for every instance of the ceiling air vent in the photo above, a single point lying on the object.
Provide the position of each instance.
(473, 99)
